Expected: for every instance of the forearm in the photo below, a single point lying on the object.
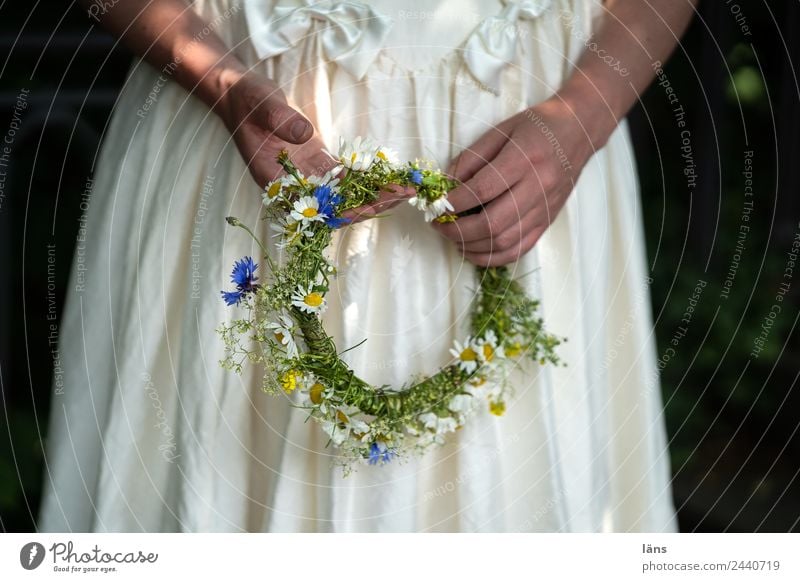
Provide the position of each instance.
(633, 35)
(171, 36)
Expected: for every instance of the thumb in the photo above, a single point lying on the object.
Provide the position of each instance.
(283, 121)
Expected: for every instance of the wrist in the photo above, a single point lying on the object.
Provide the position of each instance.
(595, 114)
(217, 88)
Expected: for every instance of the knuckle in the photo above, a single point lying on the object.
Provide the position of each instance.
(548, 176)
(508, 238)
(494, 227)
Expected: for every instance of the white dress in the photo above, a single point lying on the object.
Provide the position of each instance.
(150, 434)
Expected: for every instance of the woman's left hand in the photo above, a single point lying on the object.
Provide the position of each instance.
(517, 176)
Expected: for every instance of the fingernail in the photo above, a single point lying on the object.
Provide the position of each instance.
(298, 130)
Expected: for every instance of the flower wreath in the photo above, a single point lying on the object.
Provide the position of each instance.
(371, 424)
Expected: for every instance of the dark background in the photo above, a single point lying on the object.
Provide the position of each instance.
(732, 418)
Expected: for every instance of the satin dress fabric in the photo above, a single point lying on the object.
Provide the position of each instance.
(149, 433)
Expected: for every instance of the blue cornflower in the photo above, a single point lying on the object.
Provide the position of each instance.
(328, 201)
(380, 453)
(243, 276)
(415, 176)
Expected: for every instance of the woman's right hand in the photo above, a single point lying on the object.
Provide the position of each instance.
(262, 123)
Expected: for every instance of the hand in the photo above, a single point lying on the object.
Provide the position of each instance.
(392, 196)
(515, 180)
(262, 123)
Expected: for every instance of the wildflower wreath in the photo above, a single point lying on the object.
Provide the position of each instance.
(281, 328)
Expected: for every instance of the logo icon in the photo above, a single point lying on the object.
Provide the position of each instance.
(31, 555)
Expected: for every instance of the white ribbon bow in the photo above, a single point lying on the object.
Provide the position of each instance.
(352, 38)
(493, 44)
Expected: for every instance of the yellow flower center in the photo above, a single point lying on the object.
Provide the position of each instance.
(478, 381)
(353, 158)
(274, 190)
(488, 352)
(497, 408)
(313, 299)
(342, 417)
(468, 355)
(310, 212)
(289, 381)
(514, 350)
(382, 156)
(279, 336)
(315, 394)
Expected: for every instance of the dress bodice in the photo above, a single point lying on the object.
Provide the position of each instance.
(414, 34)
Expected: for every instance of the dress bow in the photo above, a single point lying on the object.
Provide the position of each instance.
(493, 44)
(351, 33)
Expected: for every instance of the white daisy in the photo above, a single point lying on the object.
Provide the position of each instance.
(344, 425)
(308, 300)
(358, 155)
(290, 230)
(273, 192)
(388, 155)
(438, 207)
(489, 350)
(437, 424)
(461, 403)
(317, 395)
(433, 209)
(466, 354)
(306, 210)
(282, 330)
(328, 178)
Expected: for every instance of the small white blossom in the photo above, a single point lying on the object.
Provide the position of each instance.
(433, 209)
(282, 330)
(466, 354)
(358, 155)
(436, 424)
(306, 210)
(308, 300)
(461, 403)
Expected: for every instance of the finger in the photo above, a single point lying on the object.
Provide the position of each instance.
(393, 195)
(316, 164)
(505, 239)
(281, 120)
(497, 259)
(502, 172)
(493, 218)
(472, 159)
